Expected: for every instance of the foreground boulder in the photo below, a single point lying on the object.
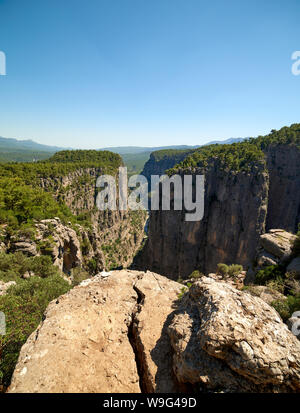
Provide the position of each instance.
(82, 345)
(88, 339)
(228, 339)
(131, 331)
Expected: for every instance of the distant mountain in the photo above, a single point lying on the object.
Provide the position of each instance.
(227, 141)
(15, 150)
(124, 150)
(8, 144)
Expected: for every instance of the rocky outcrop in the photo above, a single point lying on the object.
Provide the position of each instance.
(274, 248)
(86, 342)
(293, 324)
(276, 245)
(76, 189)
(128, 331)
(61, 242)
(225, 338)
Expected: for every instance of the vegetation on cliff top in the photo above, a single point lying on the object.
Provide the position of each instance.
(20, 204)
(238, 156)
(284, 136)
(61, 164)
(174, 154)
(21, 198)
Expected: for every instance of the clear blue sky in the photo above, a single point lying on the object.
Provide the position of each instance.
(100, 73)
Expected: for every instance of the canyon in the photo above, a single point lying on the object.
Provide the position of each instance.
(239, 207)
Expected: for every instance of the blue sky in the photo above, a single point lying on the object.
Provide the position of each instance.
(97, 73)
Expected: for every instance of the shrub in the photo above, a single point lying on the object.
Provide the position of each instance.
(196, 274)
(276, 285)
(288, 307)
(23, 307)
(13, 266)
(282, 308)
(234, 269)
(222, 269)
(92, 265)
(272, 272)
(78, 275)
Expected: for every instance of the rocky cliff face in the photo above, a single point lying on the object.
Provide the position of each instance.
(115, 235)
(283, 162)
(239, 206)
(228, 232)
(130, 332)
(162, 160)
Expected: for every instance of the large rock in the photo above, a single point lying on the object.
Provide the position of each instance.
(130, 332)
(225, 338)
(28, 248)
(89, 337)
(278, 243)
(82, 345)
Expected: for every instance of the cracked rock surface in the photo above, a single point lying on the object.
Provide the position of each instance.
(129, 332)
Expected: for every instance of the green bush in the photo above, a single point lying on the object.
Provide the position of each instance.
(282, 308)
(78, 275)
(92, 265)
(13, 266)
(234, 269)
(288, 307)
(196, 274)
(222, 269)
(23, 307)
(272, 272)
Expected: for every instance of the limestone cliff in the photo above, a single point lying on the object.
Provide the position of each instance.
(162, 160)
(115, 235)
(234, 217)
(283, 162)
